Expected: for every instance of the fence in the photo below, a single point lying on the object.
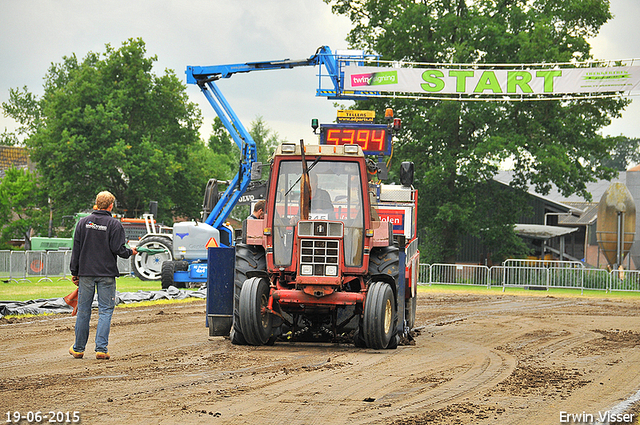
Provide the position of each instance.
(531, 274)
(47, 265)
(44, 265)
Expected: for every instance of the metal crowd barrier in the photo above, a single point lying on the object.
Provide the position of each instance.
(18, 266)
(542, 274)
(47, 265)
(459, 274)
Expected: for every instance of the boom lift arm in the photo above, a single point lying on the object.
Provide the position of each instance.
(206, 76)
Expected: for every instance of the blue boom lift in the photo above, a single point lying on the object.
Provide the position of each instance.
(191, 239)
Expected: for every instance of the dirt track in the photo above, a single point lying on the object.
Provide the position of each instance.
(477, 360)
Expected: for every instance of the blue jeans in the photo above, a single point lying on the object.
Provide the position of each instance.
(106, 287)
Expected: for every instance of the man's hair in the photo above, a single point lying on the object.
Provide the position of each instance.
(103, 200)
(259, 205)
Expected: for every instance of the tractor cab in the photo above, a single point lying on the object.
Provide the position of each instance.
(337, 210)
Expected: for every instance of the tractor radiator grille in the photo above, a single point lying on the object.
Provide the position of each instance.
(319, 257)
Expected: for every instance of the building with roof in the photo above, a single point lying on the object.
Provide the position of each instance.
(14, 156)
(560, 227)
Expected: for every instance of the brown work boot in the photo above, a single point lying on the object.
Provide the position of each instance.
(75, 354)
(102, 356)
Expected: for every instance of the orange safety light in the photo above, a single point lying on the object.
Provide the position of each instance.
(388, 114)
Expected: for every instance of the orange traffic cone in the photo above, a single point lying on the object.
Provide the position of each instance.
(72, 300)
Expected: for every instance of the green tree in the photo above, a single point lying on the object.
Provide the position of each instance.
(625, 153)
(462, 144)
(221, 143)
(266, 139)
(227, 152)
(23, 206)
(8, 138)
(24, 108)
(107, 122)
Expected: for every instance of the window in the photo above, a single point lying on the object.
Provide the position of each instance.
(336, 194)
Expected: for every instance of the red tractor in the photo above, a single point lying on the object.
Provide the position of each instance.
(336, 254)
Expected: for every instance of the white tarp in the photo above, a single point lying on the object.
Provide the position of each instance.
(57, 305)
(498, 82)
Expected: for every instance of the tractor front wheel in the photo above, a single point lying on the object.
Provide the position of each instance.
(255, 320)
(149, 266)
(379, 316)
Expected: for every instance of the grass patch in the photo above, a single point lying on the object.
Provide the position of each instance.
(554, 292)
(33, 290)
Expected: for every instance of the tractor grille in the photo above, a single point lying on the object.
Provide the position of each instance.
(319, 257)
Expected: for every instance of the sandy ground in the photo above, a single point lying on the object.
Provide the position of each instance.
(477, 359)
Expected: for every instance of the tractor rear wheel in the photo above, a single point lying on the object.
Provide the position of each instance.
(379, 316)
(385, 261)
(149, 266)
(255, 320)
(249, 258)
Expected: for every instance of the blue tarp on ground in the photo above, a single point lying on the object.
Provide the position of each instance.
(57, 305)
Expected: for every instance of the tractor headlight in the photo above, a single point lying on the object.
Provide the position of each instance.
(288, 148)
(352, 149)
(306, 269)
(331, 270)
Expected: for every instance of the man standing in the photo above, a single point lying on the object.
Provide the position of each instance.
(98, 240)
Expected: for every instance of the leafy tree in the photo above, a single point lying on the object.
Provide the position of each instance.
(266, 139)
(227, 152)
(221, 143)
(220, 140)
(461, 144)
(23, 206)
(23, 107)
(107, 122)
(625, 154)
(8, 138)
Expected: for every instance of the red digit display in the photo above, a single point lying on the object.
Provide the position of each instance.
(372, 138)
(363, 139)
(378, 140)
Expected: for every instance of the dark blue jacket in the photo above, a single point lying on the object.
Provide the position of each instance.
(98, 240)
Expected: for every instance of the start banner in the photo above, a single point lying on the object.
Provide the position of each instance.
(486, 81)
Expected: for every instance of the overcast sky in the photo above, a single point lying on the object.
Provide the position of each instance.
(36, 33)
